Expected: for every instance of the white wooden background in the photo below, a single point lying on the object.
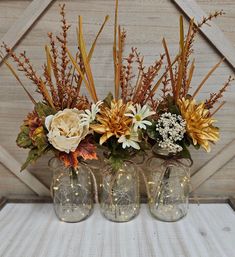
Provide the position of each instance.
(146, 21)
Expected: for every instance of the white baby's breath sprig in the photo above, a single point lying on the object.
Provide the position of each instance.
(139, 114)
(171, 128)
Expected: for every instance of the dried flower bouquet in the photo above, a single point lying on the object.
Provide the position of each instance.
(180, 120)
(123, 117)
(60, 122)
(68, 124)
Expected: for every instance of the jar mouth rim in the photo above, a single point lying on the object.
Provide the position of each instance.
(164, 154)
(156, 149)
(54, 163)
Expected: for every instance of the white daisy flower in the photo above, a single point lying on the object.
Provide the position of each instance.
(139, 114)
(130, 140)
(89, 115)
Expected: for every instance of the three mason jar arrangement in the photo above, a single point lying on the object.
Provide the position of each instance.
(167, 182)
(72, 125)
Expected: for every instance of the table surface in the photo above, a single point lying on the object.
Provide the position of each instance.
(32, 230)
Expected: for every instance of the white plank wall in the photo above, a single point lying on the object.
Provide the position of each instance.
(32, 230)
(212, 32)
(26, 177)
(24, 23)
(146, 21)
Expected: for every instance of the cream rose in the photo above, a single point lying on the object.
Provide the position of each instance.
(66, 129)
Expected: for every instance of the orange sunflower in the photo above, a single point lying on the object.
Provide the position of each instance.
(112, 121)
(199, 123)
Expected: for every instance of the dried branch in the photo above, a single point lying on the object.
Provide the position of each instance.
(55, 68)
(48, 82)
(24, 65)
(63, 44)
(206, 77)
(214, 97)
(126, 76)
(218, 108)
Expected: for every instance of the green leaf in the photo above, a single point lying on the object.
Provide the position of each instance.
(43, 110)
(185, 152)
(144, 145)
(115, 162)
(197, 146)
(39, 138)
(108, 99)
(33, 155)
(174, 109)
(187, 140)
(41, 144)
(113, 145)
(23, 140)
(151, 131)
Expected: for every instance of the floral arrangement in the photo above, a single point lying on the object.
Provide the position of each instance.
(122, 119)
(135, 118)
(121, 126)
(179, 120)
(67, 123)
(60, 122)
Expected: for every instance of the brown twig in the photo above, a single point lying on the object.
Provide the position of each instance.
(214, 97)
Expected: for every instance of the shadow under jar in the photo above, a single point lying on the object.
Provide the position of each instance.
(120, 200)
(72, 191)
(169, 186)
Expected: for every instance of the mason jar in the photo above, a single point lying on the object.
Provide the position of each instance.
(120, 199)
(169, 186)
(72, 191)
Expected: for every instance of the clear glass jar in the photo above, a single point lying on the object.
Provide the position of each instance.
(169, 187)
(72, 191)
(120, 200)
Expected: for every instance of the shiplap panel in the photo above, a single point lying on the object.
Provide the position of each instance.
(212, 32)
(146, 22)
(212, 166)
(26, 177)
(221, 183)
(10, 184)
(33, 11)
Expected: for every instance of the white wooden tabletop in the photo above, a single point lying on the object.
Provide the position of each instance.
(32, 230)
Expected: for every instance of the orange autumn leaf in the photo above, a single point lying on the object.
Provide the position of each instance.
(86, 150)
(68, 159)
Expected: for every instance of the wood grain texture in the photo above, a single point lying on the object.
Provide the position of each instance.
(34, 230)
(221, 183)
(146, 22)
(218, 161)
(3, 202)
(24, 23)
(211, 31)
(231, 202)
(28, 199)
(14, 166)
(10, 184)
(45, 199)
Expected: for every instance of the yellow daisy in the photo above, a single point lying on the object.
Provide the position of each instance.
(112, 121)
(199, 123)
